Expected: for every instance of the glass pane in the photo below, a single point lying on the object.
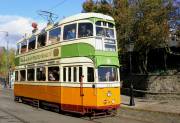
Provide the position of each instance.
(41, 40)
(22, 75)
(111, 25)
(110, 33)
(54, 35)
(90, 74)
(100, 31)
(53, 73)
(41, 74)
(80, 73)
(75, 74)
(32, 43)
(30, 74)
(98, 23)
(109, 47)
(107, 74)
(64, 74)
(69, 32)
(69, 74)
(85, 30)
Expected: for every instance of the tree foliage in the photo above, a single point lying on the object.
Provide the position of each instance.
(4, 61)
(144, 22)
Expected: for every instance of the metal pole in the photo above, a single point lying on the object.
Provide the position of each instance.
(7, 58)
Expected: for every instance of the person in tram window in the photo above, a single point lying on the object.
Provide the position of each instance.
(51, 76)
(71, 34)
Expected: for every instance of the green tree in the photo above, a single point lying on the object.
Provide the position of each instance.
(3, 61)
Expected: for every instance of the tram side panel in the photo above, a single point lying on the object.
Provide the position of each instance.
(41, 92)
(72, 99)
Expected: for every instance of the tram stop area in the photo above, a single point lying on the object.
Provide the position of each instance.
(155, 111)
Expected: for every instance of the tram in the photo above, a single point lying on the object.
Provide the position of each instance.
(72, 64)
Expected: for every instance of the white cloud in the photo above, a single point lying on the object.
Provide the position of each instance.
(16, 26)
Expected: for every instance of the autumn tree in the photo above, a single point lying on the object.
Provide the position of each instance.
(143, 22)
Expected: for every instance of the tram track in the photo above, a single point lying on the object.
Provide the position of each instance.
(20, 120)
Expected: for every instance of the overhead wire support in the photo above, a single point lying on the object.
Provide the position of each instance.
(47, 15)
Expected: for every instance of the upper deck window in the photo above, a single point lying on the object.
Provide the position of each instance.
(54, 35)
(85, 30)
(105, 32)
(98, 23)
(23, 46)
(41, 40)
(111, 25)
(69, 32)
(32, 42)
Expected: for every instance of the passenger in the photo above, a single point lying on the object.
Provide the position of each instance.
(89, 32)
(51, 76)
(71, 34)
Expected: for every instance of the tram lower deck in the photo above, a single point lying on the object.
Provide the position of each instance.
(73, 99)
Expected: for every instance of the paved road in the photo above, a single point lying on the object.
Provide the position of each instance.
(12, 112)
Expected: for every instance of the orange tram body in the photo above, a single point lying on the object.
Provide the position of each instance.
(77, 73)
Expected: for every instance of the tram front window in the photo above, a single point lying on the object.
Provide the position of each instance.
(105, 32)
(106, 74)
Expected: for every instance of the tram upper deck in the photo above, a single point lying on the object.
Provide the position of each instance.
(90, 35)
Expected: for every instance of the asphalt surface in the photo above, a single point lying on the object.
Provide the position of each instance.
(12, 112)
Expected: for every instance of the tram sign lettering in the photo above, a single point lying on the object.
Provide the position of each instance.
(39, 56)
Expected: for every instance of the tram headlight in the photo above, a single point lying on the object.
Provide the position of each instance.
(109, 94)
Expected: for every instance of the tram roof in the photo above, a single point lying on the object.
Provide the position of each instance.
(82, 16)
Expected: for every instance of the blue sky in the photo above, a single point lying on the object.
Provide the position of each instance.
(16, 16)
(29, 8)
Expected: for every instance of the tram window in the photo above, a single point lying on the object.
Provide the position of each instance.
(69, 74)
(16, 75)
(31, 45)
(85, 30)
(53, 73)
(111, 25)
(100, 31)
(69, 32)
(110, 33)
(23, 46)
(30, 74)
(110, 47)
(107, 74)
(98, 23)
(17, 51)
(75, 74)
(64, 74)
(41, 74)
(54, 35)
(22, 75)
(90, 74)
(80, 73)
(41, 40)
(104, 23)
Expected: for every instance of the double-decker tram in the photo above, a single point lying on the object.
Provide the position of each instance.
(72, 64)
